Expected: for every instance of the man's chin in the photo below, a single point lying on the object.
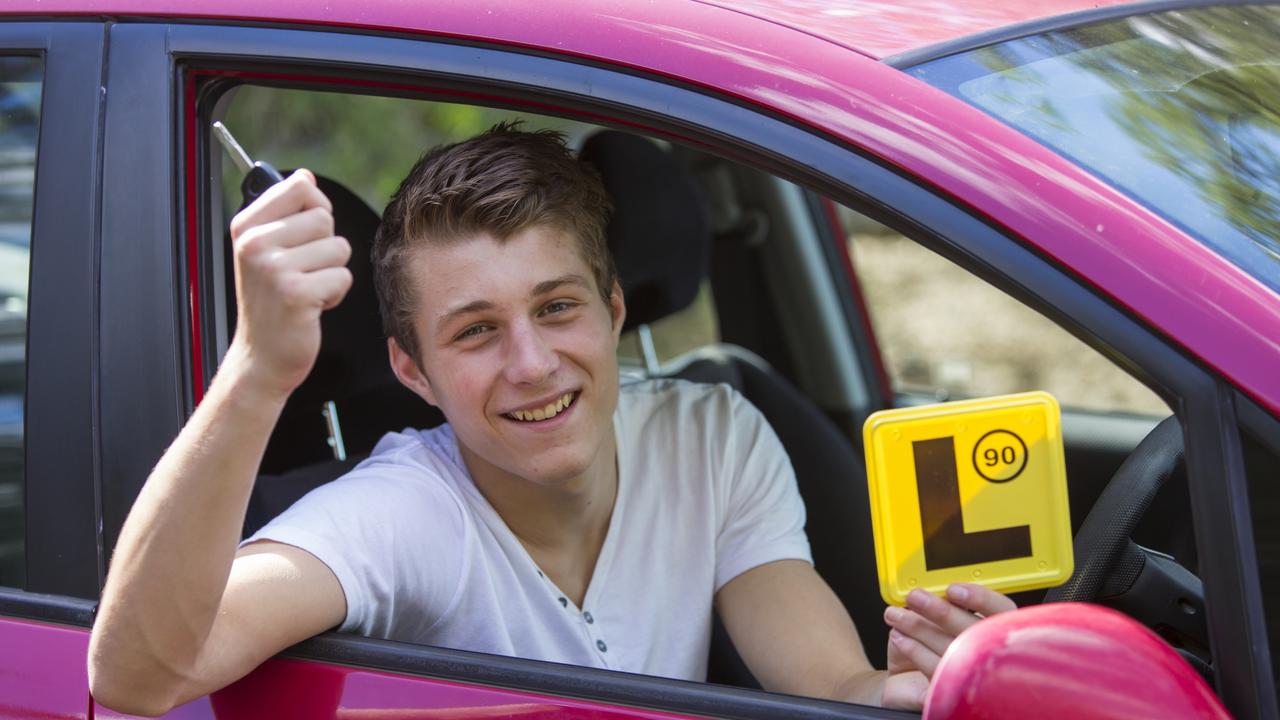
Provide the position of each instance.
(555, 473)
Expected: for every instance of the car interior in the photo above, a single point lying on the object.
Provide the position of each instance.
(740, 252)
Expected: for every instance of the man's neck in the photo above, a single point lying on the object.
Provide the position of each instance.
(563, 526)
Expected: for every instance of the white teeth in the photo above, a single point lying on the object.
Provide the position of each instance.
(545, 413)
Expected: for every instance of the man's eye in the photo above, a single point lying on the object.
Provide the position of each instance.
(473, 331)
(558, 306)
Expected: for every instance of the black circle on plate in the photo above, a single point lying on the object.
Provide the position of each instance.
(978, 467)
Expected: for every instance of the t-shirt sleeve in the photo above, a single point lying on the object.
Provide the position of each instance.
(763, 516)
(395, 536)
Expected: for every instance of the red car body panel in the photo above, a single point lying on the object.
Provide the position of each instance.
(50, 680)
(1212, 309)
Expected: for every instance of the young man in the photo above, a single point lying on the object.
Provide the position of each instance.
(556, 516)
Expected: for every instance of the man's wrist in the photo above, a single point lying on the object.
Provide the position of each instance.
(243, 382)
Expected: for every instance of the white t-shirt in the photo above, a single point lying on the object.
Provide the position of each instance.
(705, 492)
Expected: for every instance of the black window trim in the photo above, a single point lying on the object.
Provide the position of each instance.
(836, 171)
(60, 494)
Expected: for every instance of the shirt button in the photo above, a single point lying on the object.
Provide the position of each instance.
(564, 602)
(587, 616)
(603, 648)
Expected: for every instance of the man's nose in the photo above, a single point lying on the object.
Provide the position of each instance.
(530, 359)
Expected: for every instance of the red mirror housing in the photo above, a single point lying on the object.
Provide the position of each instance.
(1066, 660)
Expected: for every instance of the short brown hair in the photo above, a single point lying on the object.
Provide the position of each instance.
(500, 183)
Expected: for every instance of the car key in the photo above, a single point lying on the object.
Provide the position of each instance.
(258, 175)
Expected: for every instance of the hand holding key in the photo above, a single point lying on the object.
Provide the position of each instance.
(290, 267)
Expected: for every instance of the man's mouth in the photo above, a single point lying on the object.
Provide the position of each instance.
(547, 412)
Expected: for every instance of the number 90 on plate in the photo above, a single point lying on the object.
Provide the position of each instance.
(972, 491)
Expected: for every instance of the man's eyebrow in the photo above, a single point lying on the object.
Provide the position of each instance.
(547, 286)
(471, 307)
(541, 288)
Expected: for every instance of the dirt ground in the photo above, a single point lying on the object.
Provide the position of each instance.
(941, 328)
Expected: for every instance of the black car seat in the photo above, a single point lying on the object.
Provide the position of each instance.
(661, 238)
(352, 372)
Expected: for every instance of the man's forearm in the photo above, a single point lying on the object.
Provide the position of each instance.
(171, 564)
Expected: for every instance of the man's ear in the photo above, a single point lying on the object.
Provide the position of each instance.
(408, 372)
(619, 307)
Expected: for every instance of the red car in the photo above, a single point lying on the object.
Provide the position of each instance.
(837, 207)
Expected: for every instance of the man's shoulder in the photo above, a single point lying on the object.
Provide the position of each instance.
(415, 457)
(410, 445)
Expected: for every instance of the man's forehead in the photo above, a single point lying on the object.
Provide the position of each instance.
(451, 274)
(474, 300)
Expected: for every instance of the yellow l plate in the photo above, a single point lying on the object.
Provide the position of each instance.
(972, 491)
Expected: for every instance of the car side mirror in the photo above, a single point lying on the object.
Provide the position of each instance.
(1066, 660)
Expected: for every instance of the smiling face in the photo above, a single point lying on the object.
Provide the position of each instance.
(518, 351)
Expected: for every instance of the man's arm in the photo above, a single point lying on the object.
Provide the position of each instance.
(796, 636)
(183, 613)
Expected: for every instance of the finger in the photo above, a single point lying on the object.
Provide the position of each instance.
(297, 229)
(328, 286)
(918, 628)
(319, 254)
(924, 659)
(980, 599)
(294, 194)
(896, 662)
(951, 619)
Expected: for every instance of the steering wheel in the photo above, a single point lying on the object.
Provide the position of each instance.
(1103, 539)
(1151, 586)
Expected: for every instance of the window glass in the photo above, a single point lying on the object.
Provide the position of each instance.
(19, 121)
(946, 334)
(1177, 109)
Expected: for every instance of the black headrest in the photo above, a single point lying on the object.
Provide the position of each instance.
(353, 354)
(659, 234)
(352, 368)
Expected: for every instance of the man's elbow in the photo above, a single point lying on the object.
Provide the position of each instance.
(133, 692)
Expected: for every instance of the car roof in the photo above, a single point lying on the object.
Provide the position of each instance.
(881, 28)
(876, 28)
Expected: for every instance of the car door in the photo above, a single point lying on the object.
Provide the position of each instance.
(50, 107)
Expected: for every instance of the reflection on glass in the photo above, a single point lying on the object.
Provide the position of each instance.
(19, 122)
(1178, 109)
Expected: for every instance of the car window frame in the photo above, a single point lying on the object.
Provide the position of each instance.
(824, 165)
(63, 559)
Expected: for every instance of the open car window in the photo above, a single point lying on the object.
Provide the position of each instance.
(948, 335)
(768, 310)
